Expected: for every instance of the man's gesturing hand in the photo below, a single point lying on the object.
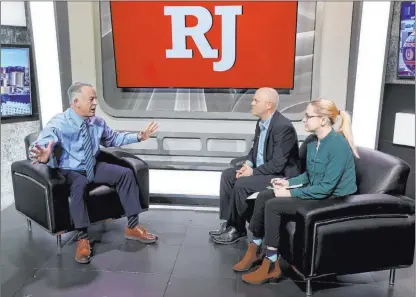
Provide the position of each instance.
(150, 129)
(40, 154)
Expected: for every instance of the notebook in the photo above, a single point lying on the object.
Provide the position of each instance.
(254, 195)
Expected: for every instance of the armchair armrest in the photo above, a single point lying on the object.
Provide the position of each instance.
(356, 218)
(349, 207)
(407, 199)
(355, 205)
(42, 173)
(41, 193)
(137, 165)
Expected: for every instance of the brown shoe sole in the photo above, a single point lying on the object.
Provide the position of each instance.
(147, 241)
(86, 261)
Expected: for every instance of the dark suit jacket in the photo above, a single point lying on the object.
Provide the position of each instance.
(281, 149)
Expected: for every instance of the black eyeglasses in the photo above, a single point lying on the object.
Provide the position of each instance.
(311, 116)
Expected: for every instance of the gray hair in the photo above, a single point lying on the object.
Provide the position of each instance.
(75, 89)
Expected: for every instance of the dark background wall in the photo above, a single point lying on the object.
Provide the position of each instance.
(399, 96)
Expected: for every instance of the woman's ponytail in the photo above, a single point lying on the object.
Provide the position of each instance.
(346, 129)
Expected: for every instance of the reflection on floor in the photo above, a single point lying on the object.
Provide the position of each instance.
(183, 264)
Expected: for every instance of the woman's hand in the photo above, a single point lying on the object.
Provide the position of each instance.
(282, 192)
(279, 183)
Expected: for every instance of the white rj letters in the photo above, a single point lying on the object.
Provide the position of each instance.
(197, 33)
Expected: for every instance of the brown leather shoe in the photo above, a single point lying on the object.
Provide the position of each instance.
(267, 272)
(140, 234)
(83, 254)
(251, 258)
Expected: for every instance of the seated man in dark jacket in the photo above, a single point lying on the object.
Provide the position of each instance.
(275, 153)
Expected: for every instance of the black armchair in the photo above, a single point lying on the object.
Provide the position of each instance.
(369, 231)
(42, 194)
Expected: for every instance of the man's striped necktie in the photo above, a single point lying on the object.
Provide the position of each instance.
(87, 146)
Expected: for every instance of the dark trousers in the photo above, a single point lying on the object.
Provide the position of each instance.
(267, 216)
(122, 178)
(233, 194)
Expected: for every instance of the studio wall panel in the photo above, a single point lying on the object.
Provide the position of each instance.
(369, 82)
(398, 98)
(14, 130)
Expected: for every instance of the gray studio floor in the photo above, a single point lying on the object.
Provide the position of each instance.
(183, 264)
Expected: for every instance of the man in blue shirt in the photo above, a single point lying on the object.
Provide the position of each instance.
(79, 133)
(275, 153)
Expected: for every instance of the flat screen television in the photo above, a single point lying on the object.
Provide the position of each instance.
(15, 81)
(406, 59)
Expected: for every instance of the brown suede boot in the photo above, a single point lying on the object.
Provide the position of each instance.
(267, 272)
(83, 254)
(250, 259)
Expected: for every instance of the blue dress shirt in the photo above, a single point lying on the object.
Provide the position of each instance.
(65, 130)
(264, 126)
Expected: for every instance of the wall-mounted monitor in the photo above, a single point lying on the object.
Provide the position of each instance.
(200, 44)
(406, 59)
(15, 81)
(221, 99)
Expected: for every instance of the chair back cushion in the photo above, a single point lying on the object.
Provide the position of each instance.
(29, 139)
(377, 172)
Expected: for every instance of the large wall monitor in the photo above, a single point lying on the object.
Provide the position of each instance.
(204, 60)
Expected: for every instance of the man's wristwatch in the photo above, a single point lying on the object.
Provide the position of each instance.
(139, 136)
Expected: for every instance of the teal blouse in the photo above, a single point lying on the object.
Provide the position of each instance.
(330, 170)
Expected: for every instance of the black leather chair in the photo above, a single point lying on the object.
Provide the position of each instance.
(369, 231)
(42, 195)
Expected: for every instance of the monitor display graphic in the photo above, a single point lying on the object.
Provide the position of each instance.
(15, 82)
(281, 56)
(204, 44)
(406, 61)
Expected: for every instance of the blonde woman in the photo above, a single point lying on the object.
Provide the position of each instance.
(330, 173)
